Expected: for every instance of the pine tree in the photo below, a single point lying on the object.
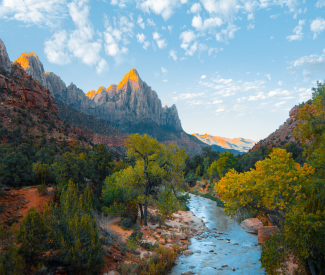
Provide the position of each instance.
(32, 235)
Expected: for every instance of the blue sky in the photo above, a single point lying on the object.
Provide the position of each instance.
(234, 68)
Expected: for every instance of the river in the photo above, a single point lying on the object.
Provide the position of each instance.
(235, 248)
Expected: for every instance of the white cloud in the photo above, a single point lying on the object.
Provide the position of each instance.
(209, 23)
(228, 33)
(279, 92)
(280, 103)
(304, 94)
(196, 8)
(186, 96)
(164, 71)
(170, 28)
(188, 37)
(151, 22)
(173, 54)
(298, 34)
(116, 37)
(78, 43)
(203, 76)
(268, 76)
(161, 42)
(217, 101)
(250, 16)
(56, 48)
(280, 83)
(274, 16)
(102, 66)
(38, 12)
(120, 3)
(251, 26)
(317, 26)
(314, 62)
(320, 4)
(259, 96)
(140, 22)
(141, 38)
(220, 110)
(165, 8)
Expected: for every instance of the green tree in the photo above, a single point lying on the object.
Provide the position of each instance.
(71, 167)
(226, 162)
(100, 166)
(73, 230)
(167, 203)
(11, 262)
(212, 171)
(155, 165)
(32, 235)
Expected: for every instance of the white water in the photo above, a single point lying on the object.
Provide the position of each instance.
(244, 257)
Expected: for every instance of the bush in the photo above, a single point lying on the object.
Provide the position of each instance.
(11, 262)
(126, 223)
(42, 189)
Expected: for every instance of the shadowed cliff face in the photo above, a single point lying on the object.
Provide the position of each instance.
(4, 58)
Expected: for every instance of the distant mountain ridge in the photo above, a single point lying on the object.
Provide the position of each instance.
(241, 145)
(131, 105)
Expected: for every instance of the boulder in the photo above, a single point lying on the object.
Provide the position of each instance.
(265, 233)
(188, 252)
(251, 225)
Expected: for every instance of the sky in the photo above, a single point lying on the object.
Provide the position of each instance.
(234, 68)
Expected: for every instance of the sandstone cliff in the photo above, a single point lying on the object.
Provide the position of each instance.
(130, 103)
(283, 135)
(4, 58)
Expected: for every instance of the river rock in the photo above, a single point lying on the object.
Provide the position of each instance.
(251, 225)
(188, 272)
(265, 233)
(188, 252)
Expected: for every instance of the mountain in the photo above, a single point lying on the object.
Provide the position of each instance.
(131, 105)
(283, 135)
(221, 144)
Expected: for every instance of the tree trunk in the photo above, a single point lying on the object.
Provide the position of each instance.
(145, 212)
(141, 212)
(311, 266)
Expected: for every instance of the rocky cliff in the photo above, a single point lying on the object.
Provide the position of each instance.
(239, 144)
(4, 58)
(283, 135)
(131, 105)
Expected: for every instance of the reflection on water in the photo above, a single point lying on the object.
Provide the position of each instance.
(234, 248)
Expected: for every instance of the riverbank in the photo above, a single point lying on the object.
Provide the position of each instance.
(174, 235)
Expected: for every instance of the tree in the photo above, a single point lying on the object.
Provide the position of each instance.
(71, 167)
(32, 235)
(155, 165)
(226, 162)
(212, 170)
(73, 230)
(11, 262)
(100, 166)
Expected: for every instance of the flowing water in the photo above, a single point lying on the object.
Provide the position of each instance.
(235, 248)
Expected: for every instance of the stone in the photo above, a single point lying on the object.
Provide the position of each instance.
(211, 250)
(199, 251)
(188, 252)
(224, 265)
(266, 232)
(204, 236)
(188, 272)
(233, 269)
(181, 237)
(251, 225)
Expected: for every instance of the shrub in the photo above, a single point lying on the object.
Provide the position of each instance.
(126, 223)
(42, 189)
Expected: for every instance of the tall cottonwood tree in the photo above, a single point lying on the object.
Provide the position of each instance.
(155, 165)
